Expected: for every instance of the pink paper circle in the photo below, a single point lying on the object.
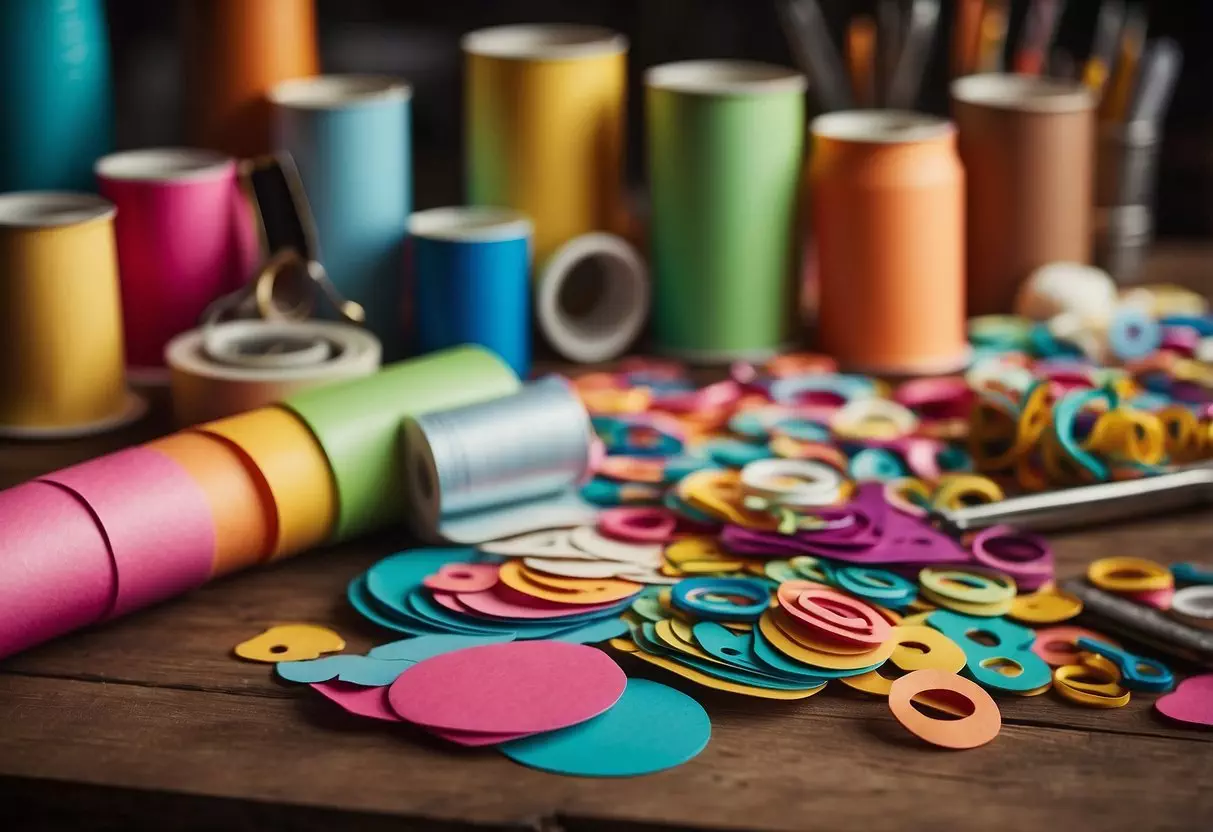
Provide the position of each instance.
(1031, 566)
(463, 577)
(516, 687)
(638, 524)
(57, 573)
(360, 701)
(156, 520)
(503, 602)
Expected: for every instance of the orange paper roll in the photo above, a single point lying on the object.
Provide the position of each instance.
(236, 50)
(888, 221)
(242, 504)
(545, 113)
(293, 467)
(61, 357)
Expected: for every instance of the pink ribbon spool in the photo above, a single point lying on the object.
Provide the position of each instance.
(58, 573)
(1026, 558)
(156, 519)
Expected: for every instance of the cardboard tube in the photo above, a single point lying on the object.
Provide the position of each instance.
(241, 502)
(61, 357)
(1028, 147)
(293, 468)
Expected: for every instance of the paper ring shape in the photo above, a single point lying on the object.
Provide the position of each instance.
(1129, 575)
(819, 609)
(1029, 571)
(689, 596)
(817, 483)
(978, 728)
(641, 524)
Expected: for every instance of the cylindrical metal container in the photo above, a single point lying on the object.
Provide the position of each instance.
(726, 147)
(1127, 163)
(1123, 234)
(887, 193)
(1028, 147)
(545, 115)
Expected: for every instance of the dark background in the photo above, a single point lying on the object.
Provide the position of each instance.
(420, 42)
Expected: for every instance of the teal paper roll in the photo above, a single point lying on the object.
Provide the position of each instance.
(725, 141)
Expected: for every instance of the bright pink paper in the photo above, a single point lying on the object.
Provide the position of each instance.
(463, 577)
(473, 739)
(156, 519)
(1159, 599)
(181, 245)
(503, 602)
(56, 573)
(1192, 701)
(516, 687)
(360, 701)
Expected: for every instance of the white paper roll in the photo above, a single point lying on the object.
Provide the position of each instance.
(232, 367)
(616, 309)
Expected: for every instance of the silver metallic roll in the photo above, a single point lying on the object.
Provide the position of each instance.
(500, 468)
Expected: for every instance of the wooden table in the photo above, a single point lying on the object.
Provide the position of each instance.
(149, 723)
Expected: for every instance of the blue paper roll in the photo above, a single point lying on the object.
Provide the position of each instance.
(349, 136)
(471, 281)
(56, 101)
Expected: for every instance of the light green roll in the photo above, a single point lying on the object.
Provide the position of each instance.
(358, 423)
(725, 143)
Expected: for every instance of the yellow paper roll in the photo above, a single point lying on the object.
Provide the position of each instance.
(295, 469)
(545, 113)
(61, 357)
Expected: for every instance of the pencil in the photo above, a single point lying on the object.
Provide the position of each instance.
(915, 50)
(861, 57)
(1103, 49)
(965, 36)
(1039, 32)
(993, 37)
(1115, 104)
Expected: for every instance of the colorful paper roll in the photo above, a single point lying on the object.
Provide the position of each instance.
(156, 520)
(725, 142)
(888, 225)
(294, 469)
(499, 468)
(357, 422)
(185, 237)
(56, 99)
(472, 281)
(544, 115)
(235, 52)
(593, 297)
(349, 136)
(1028, 147)
(228, 368)
(241, 503)
(61, 359)
(58, 573)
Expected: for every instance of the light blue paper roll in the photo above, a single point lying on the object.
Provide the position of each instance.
(56, 101)
(350, 138)
(471, 280)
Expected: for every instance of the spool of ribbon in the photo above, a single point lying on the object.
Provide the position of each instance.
(500, 468)
(357, 423)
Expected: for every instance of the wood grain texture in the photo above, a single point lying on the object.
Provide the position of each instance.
(150, 723)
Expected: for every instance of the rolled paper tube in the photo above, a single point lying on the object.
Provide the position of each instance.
(593, 298)
(58, 573)
(156, 519)
(61, 359)
(349, 135)
(726, 148)
(185, 237)
(235, 52)
(233, 367)
(888, 222)
(555, 151)
(499, 468)
(294, 469)
(241, 502)
(357, 423)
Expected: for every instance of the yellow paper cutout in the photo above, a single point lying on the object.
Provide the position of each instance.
(815, 658)
(601, 591)
(979, 610)
(290, 643)
(1129, 575)
(1045, 606)
(720, 684)
(625, 645)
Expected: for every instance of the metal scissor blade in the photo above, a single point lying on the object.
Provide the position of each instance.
(1088, 505)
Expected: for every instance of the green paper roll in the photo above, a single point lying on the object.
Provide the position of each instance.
(358, 423)
(725, 141)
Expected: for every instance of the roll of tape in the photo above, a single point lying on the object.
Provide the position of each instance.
(233, 367)
(606, 276)
(499, 468)
(241, 502)
(156, 520)
(58, 573)
(357, 423)
(294, 470)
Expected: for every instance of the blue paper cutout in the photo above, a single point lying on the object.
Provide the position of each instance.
(1130, 666)
(1013, 644)
(426, 647)
(357, 670)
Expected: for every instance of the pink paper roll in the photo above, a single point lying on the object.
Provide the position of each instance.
(56, 573)
(156, 520)
(185, 237)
